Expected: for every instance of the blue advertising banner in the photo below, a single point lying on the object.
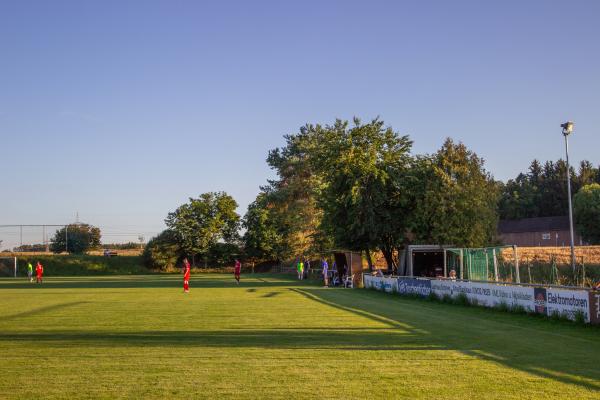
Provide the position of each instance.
(422, 287)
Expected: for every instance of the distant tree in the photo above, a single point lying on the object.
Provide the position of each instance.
(587, 174)
(456, 198)
(586, 208)
(224, 253)
(542, 191)
(39, 247)
(121, 246)
(262, 239)
(162, 251)
(76, 238)
(203, 222)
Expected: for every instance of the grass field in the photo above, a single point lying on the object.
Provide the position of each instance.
(271, 337)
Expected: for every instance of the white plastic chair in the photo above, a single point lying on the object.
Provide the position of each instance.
(349, 282)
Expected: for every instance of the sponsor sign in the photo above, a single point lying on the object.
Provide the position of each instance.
(384, 284)
(486, 294)
(547, 301)
(594, 298)
(568, 303)
(422, 287)
(369, 281)
(389, 285)
(539, 295)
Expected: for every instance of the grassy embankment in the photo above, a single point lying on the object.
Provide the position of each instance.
(80, 265)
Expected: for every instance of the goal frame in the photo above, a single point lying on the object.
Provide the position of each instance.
(14, 260)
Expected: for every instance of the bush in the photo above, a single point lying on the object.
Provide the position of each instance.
(162, 252)
(82, 265)
(461, 300)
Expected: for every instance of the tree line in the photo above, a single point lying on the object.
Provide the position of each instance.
(357, 186)
(349, 185)
(542, 190)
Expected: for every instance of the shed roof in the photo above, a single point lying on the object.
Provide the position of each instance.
(541, 224)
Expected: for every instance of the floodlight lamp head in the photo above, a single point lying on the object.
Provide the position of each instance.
(567, 128)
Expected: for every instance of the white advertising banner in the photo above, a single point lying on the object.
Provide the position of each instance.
(388, 285)
(548, 301)
(368, 281)
(486, 294)
(568, 302)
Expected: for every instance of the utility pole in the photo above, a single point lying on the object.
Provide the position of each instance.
(567, 129)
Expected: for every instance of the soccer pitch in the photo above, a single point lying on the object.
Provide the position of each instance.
(272, 337)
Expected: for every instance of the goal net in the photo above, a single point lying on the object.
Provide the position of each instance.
(499, 264)
(8, 266)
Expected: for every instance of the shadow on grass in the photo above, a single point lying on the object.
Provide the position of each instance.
(560, 353)
(341, 339)
(271, 294)
(42, 310)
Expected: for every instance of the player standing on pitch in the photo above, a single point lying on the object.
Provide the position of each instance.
(325, 267)
(30, 271)
(300, 269)
(237, 270)
(186, 275)
(39, 271)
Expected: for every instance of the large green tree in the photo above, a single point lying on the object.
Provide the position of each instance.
(75, 238)
(203, 222)
(456, 198)
(262, 240)
(364, 167)
(586, 207)
(292, 196)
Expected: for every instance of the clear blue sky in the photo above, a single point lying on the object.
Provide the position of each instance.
(122, 110)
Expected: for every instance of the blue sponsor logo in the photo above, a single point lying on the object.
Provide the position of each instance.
(422, 287)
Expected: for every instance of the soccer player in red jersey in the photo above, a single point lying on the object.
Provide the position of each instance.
(237, 270)
(186, 275)
(39, 271)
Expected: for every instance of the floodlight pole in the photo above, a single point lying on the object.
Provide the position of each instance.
(567, 130)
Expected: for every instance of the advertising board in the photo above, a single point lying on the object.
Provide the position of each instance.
(422, 287)
(568, 303)
(594, 307)
(548, 301)
(388, 285)
(486, 294)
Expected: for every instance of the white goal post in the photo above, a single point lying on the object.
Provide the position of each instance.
(8, 266)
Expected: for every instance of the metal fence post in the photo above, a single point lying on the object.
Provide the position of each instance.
(517, 264)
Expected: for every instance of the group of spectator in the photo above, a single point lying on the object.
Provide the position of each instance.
(303, 268)
(331, 276)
